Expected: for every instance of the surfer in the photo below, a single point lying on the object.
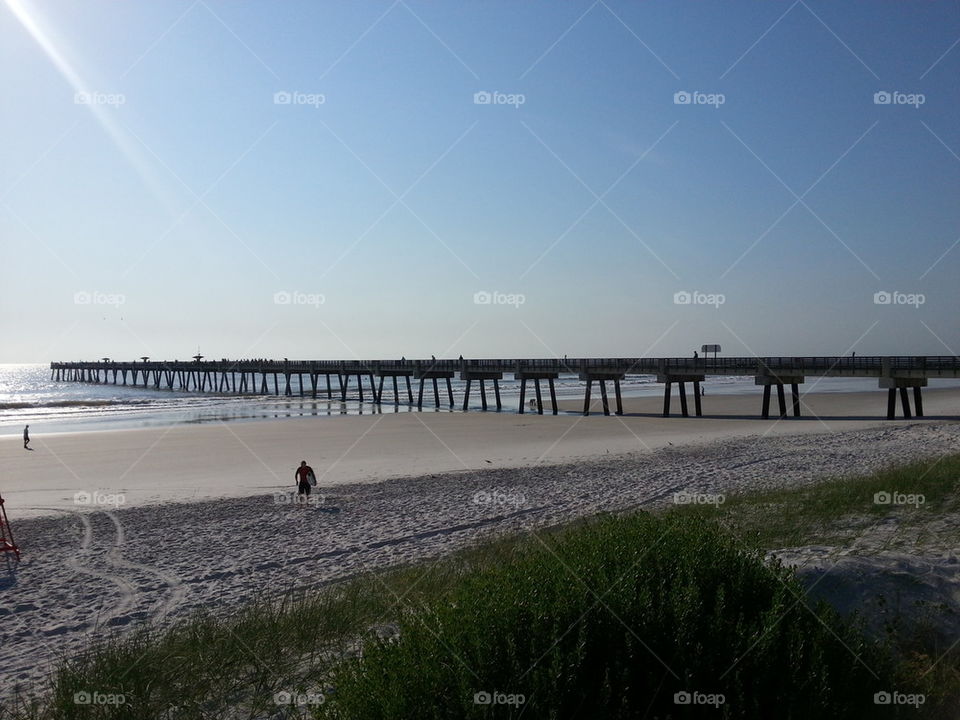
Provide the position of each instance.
(305, 479)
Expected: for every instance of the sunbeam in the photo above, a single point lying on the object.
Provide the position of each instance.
(104, 114)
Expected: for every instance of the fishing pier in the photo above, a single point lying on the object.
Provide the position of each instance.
(896, 374)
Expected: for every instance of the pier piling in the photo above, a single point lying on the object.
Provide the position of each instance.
(894, 374)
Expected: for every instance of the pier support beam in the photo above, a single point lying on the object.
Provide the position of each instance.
(425, 374)
(345, 385)
(602, 376)
(778, 381)
(480, 376)
(681, 380)
(892, 385)
(535, 375)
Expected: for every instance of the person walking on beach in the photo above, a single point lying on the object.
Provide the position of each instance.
(26, 438)
(305, 479)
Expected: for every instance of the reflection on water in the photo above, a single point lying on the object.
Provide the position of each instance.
(28, 395)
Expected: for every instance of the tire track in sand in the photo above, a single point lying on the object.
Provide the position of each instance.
(78, 563)
(173, 582)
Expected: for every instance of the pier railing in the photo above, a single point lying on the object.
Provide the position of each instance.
(865, 366)
(251, 376)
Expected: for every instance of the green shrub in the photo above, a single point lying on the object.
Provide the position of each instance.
(609, 620)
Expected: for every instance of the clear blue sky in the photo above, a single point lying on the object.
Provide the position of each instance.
(183, 189)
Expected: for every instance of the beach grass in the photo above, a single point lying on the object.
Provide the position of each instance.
(606, 617)
(836, 511)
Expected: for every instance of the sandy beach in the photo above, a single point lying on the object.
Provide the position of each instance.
(206, 518)
(237, 459)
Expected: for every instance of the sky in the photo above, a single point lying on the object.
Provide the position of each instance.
(341, 180)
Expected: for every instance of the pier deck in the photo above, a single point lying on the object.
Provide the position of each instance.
(894, 373)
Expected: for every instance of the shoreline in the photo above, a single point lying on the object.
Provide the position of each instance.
(227, 460)
(87, 575)
(147, 409)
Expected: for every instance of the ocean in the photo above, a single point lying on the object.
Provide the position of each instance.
(29, 396)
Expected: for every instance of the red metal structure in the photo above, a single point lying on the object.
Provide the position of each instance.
(6, 534)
